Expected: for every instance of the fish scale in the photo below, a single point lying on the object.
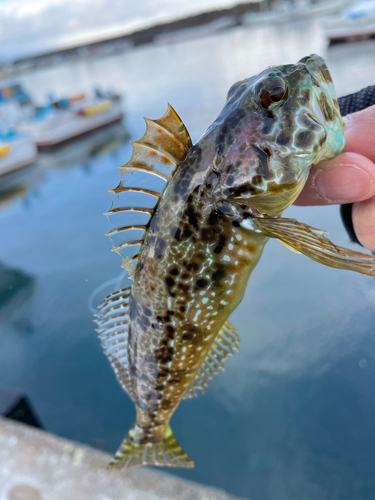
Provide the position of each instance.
(193, 231)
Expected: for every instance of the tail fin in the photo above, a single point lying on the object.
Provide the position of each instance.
(167, 453)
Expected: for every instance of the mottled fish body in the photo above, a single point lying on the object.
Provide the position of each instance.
(191, 243)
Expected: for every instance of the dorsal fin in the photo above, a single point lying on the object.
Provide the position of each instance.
(225, 344)
(154, 160)
(113, 323)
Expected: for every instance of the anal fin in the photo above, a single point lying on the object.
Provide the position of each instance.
(226, 344)
(113, 323)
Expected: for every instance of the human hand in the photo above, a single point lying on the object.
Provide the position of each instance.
(350, 177)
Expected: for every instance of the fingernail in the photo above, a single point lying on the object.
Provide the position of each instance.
(349, 184)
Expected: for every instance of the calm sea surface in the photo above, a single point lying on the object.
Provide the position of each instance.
(293, 416)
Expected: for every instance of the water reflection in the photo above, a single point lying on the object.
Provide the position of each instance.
(23, 183)
(292, 417)
(16, 288)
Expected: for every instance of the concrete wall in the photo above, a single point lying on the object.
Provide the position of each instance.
(35, 465)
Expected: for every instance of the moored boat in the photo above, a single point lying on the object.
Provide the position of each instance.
(354, 23)
(16, 151)
(67, 119)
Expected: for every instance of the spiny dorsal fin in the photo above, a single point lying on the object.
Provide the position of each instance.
(113, 323)
(154, 160)
(225, 344)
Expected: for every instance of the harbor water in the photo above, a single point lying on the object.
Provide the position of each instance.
(292, 417)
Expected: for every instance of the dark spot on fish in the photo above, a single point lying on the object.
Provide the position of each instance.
(263, 162)
(193, 216)
(208, 234)
(220, 272)
(174, 271)
(177, 188)
(200, 256)
(246, 188)
(184, 287)
(182, 308)
(222, 240)
(187, 336)
(143, 321)
(283, 139)
(218, 249)
(202, 283)
(230, 180)
(235, 223)
(164, 372)
(167, 403)
(169, 281)
(174, 381)
(187, 231)
(304, 139)
(220, 138)
(185, 276)
(310, 123)
(167, 317)
(176, 233)
(159, 247)
(193, 266)
(269, 121)
(213, 218)
(147, 312)
(170, 331)
(305, 97)
(326, 107)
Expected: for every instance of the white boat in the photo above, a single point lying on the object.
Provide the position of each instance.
(16, 151)
(67, 119)
(354, 23)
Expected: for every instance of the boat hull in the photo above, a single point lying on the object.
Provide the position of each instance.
(79, 126)
(23, 152)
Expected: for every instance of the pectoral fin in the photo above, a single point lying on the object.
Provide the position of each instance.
(313, 243)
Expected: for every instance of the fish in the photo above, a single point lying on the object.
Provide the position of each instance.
(191, 234)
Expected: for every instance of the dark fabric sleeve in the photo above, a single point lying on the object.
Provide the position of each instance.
(358, 101)
(350, 104)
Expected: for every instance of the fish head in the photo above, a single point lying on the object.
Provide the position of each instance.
(273, 127)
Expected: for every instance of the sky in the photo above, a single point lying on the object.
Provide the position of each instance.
(35, 26)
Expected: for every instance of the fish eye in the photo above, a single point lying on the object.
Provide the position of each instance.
(273, 90)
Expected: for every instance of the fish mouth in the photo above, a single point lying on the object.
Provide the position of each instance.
(318, 69)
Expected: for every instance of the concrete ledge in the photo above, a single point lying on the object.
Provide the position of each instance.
(35, 465)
